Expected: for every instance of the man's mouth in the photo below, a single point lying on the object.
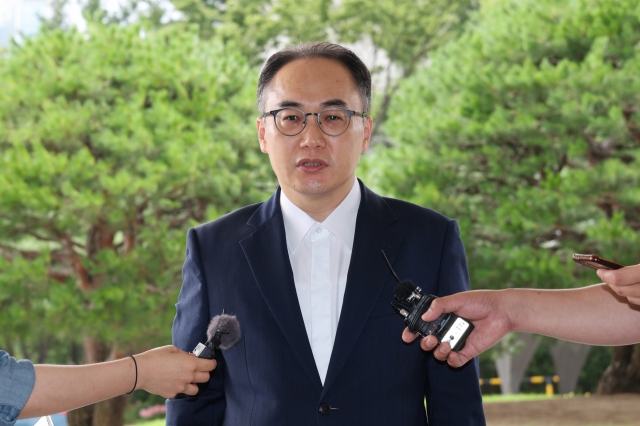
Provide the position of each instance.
(311, 163)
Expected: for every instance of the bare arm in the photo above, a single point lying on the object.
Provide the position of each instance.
(164, 371)
(592, 315)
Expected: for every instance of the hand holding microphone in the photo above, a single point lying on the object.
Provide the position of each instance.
(223, 332)
(167, 371)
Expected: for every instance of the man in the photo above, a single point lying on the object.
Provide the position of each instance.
(304, 274)
(602, 314)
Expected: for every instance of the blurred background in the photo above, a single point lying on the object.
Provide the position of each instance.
(123, 123)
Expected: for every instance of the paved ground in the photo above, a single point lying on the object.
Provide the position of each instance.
(579, 411)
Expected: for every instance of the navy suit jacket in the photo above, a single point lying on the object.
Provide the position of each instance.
(240, 263)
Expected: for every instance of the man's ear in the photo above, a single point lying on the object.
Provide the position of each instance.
(368, 128)
(261, 131)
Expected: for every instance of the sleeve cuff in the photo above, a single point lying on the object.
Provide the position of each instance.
(18, 379)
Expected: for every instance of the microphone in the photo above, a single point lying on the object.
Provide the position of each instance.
(223, 332)
(411, 302)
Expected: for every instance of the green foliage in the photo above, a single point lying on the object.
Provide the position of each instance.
(255, 25)
(112, 143)
(406, 32)
(152, 12)
(525, 129)
(57, 17)
(399, 34)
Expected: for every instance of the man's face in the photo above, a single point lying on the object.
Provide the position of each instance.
(313, 164)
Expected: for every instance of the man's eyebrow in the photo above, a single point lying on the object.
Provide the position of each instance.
(289, 104)
(326, 104)
(334, 103)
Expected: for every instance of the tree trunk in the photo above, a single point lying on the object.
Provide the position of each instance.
(26, 353)
(105, 413)
(9, 345)
(75, 353)
(43, 348)
(110, 412)
(81, 417)
(623, 375)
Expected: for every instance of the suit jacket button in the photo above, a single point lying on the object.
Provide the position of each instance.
(324, 409)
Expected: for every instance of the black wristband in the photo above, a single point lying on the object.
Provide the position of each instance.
(136, 383)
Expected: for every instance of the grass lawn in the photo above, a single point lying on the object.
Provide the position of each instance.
(157, 422)
(517, 397)
(488, 399)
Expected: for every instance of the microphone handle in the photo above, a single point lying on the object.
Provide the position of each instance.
(204, 351)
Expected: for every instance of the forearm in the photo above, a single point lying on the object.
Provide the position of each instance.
(591, 315)
(62, 388)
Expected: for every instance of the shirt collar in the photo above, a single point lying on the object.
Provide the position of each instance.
(341, 222)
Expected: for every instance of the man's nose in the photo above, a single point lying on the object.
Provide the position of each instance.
(312, 136)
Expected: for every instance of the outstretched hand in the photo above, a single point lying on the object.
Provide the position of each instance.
(625, 282)
(168, 371)
(484, 308)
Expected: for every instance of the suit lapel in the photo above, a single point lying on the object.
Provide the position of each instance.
(266, 252)
(376, 230)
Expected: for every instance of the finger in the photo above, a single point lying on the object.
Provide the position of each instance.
(620, 277)
(206, 364)
(442, 352)
(602, 273)
(627, 291)
(408, 336)
(434, 311)
(458, 359)
(191, 389)
(429, 343)
(455, 360)
(442, 305)
(201, 377)
(634, 300)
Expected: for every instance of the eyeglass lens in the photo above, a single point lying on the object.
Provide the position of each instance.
(333, 122)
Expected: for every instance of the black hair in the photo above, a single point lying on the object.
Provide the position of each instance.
(313, 50)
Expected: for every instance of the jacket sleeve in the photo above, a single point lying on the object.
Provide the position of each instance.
(453, 394)
(190, 328)
(17, 379)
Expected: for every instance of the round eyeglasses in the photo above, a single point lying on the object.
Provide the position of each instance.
(332, 122)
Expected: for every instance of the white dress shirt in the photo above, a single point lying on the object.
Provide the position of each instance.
(320, 254)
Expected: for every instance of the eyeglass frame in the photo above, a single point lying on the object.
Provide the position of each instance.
(317, 114)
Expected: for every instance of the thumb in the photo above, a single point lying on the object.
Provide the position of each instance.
(603, 274)
(206, 364)
(441, 306)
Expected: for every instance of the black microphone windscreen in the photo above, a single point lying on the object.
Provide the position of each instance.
(226, 323)
(404, 289)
